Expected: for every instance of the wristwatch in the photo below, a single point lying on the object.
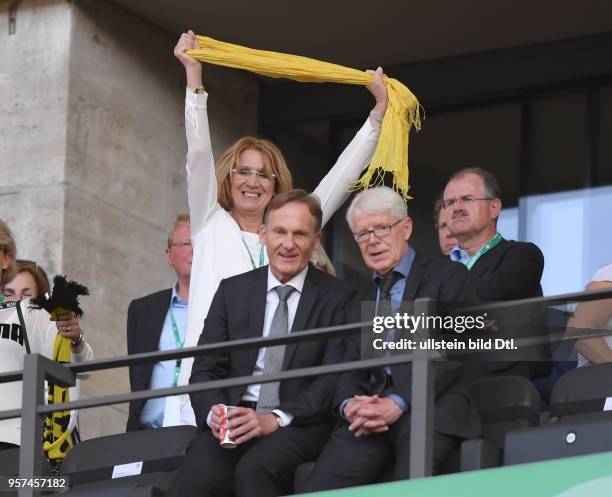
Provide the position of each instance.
(78, 340)
(279, 420)
(197, 91)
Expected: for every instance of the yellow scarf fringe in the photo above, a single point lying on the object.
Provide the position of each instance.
(403, 111)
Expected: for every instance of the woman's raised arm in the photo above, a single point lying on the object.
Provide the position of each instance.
(201, 177)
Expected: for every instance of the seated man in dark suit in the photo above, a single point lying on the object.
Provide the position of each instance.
(501, 269)
(276, 426)
(159, 322)
(379, 221)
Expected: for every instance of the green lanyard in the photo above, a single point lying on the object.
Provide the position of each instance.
(179, 345)
(261, 255)
(486, 247)
(1, 298)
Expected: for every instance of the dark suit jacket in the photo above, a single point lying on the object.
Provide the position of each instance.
(145, 320)
(440, 280)
(509, 271)
(237, 312)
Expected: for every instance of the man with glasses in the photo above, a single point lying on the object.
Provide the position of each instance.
(159, 322)
(374, 438)
(502, 269)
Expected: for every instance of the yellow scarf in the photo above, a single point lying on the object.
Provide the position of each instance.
(402, 113)
(56, 436)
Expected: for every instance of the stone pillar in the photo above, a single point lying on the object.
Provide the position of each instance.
(92, 158)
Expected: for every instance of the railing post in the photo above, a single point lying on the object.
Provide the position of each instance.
(421, 402)
(36, 369)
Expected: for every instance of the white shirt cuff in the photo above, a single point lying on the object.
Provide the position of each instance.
(194, 103)
(195, 99)
(285, 418)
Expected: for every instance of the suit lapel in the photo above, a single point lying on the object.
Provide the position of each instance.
(155, 321)
(307, 301)
(257, 308)
(488, 259)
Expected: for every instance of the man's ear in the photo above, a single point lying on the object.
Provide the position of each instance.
(406, 226)
(262, 234)
(495, 208)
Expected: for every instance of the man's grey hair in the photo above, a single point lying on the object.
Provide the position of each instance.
(378, 200)
(489, 182)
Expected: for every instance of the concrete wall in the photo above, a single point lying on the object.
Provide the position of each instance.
(95, 129)
(33, 110)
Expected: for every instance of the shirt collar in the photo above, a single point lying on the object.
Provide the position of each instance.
(403, 266)
(176, 298)
(460, 255)
(296, 282)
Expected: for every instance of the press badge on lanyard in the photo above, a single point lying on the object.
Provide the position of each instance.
(172, 408)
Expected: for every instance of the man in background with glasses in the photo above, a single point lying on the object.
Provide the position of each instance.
(501, 269)
(159, 322)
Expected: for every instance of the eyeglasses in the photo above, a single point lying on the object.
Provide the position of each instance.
(379, 231)
(182, 245)
(261, 176)
(465, 200)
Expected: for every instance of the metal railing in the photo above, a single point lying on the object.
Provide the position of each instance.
(38, 368)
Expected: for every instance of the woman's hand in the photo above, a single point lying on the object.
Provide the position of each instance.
(68, 325)
(379, 90)
(193, 67)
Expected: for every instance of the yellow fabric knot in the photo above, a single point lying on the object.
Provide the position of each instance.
(403, 111)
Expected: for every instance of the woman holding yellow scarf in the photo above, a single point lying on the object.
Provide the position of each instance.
(227, 203)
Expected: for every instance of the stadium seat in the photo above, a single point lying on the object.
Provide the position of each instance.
(91, 463)
(555, 441)
(503, 403)
(578, 424)
(9, 462)
(581, 391)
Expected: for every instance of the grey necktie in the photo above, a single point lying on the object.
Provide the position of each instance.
(385, 285)
(273, 359)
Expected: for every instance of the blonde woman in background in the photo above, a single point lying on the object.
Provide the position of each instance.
(321, 260)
